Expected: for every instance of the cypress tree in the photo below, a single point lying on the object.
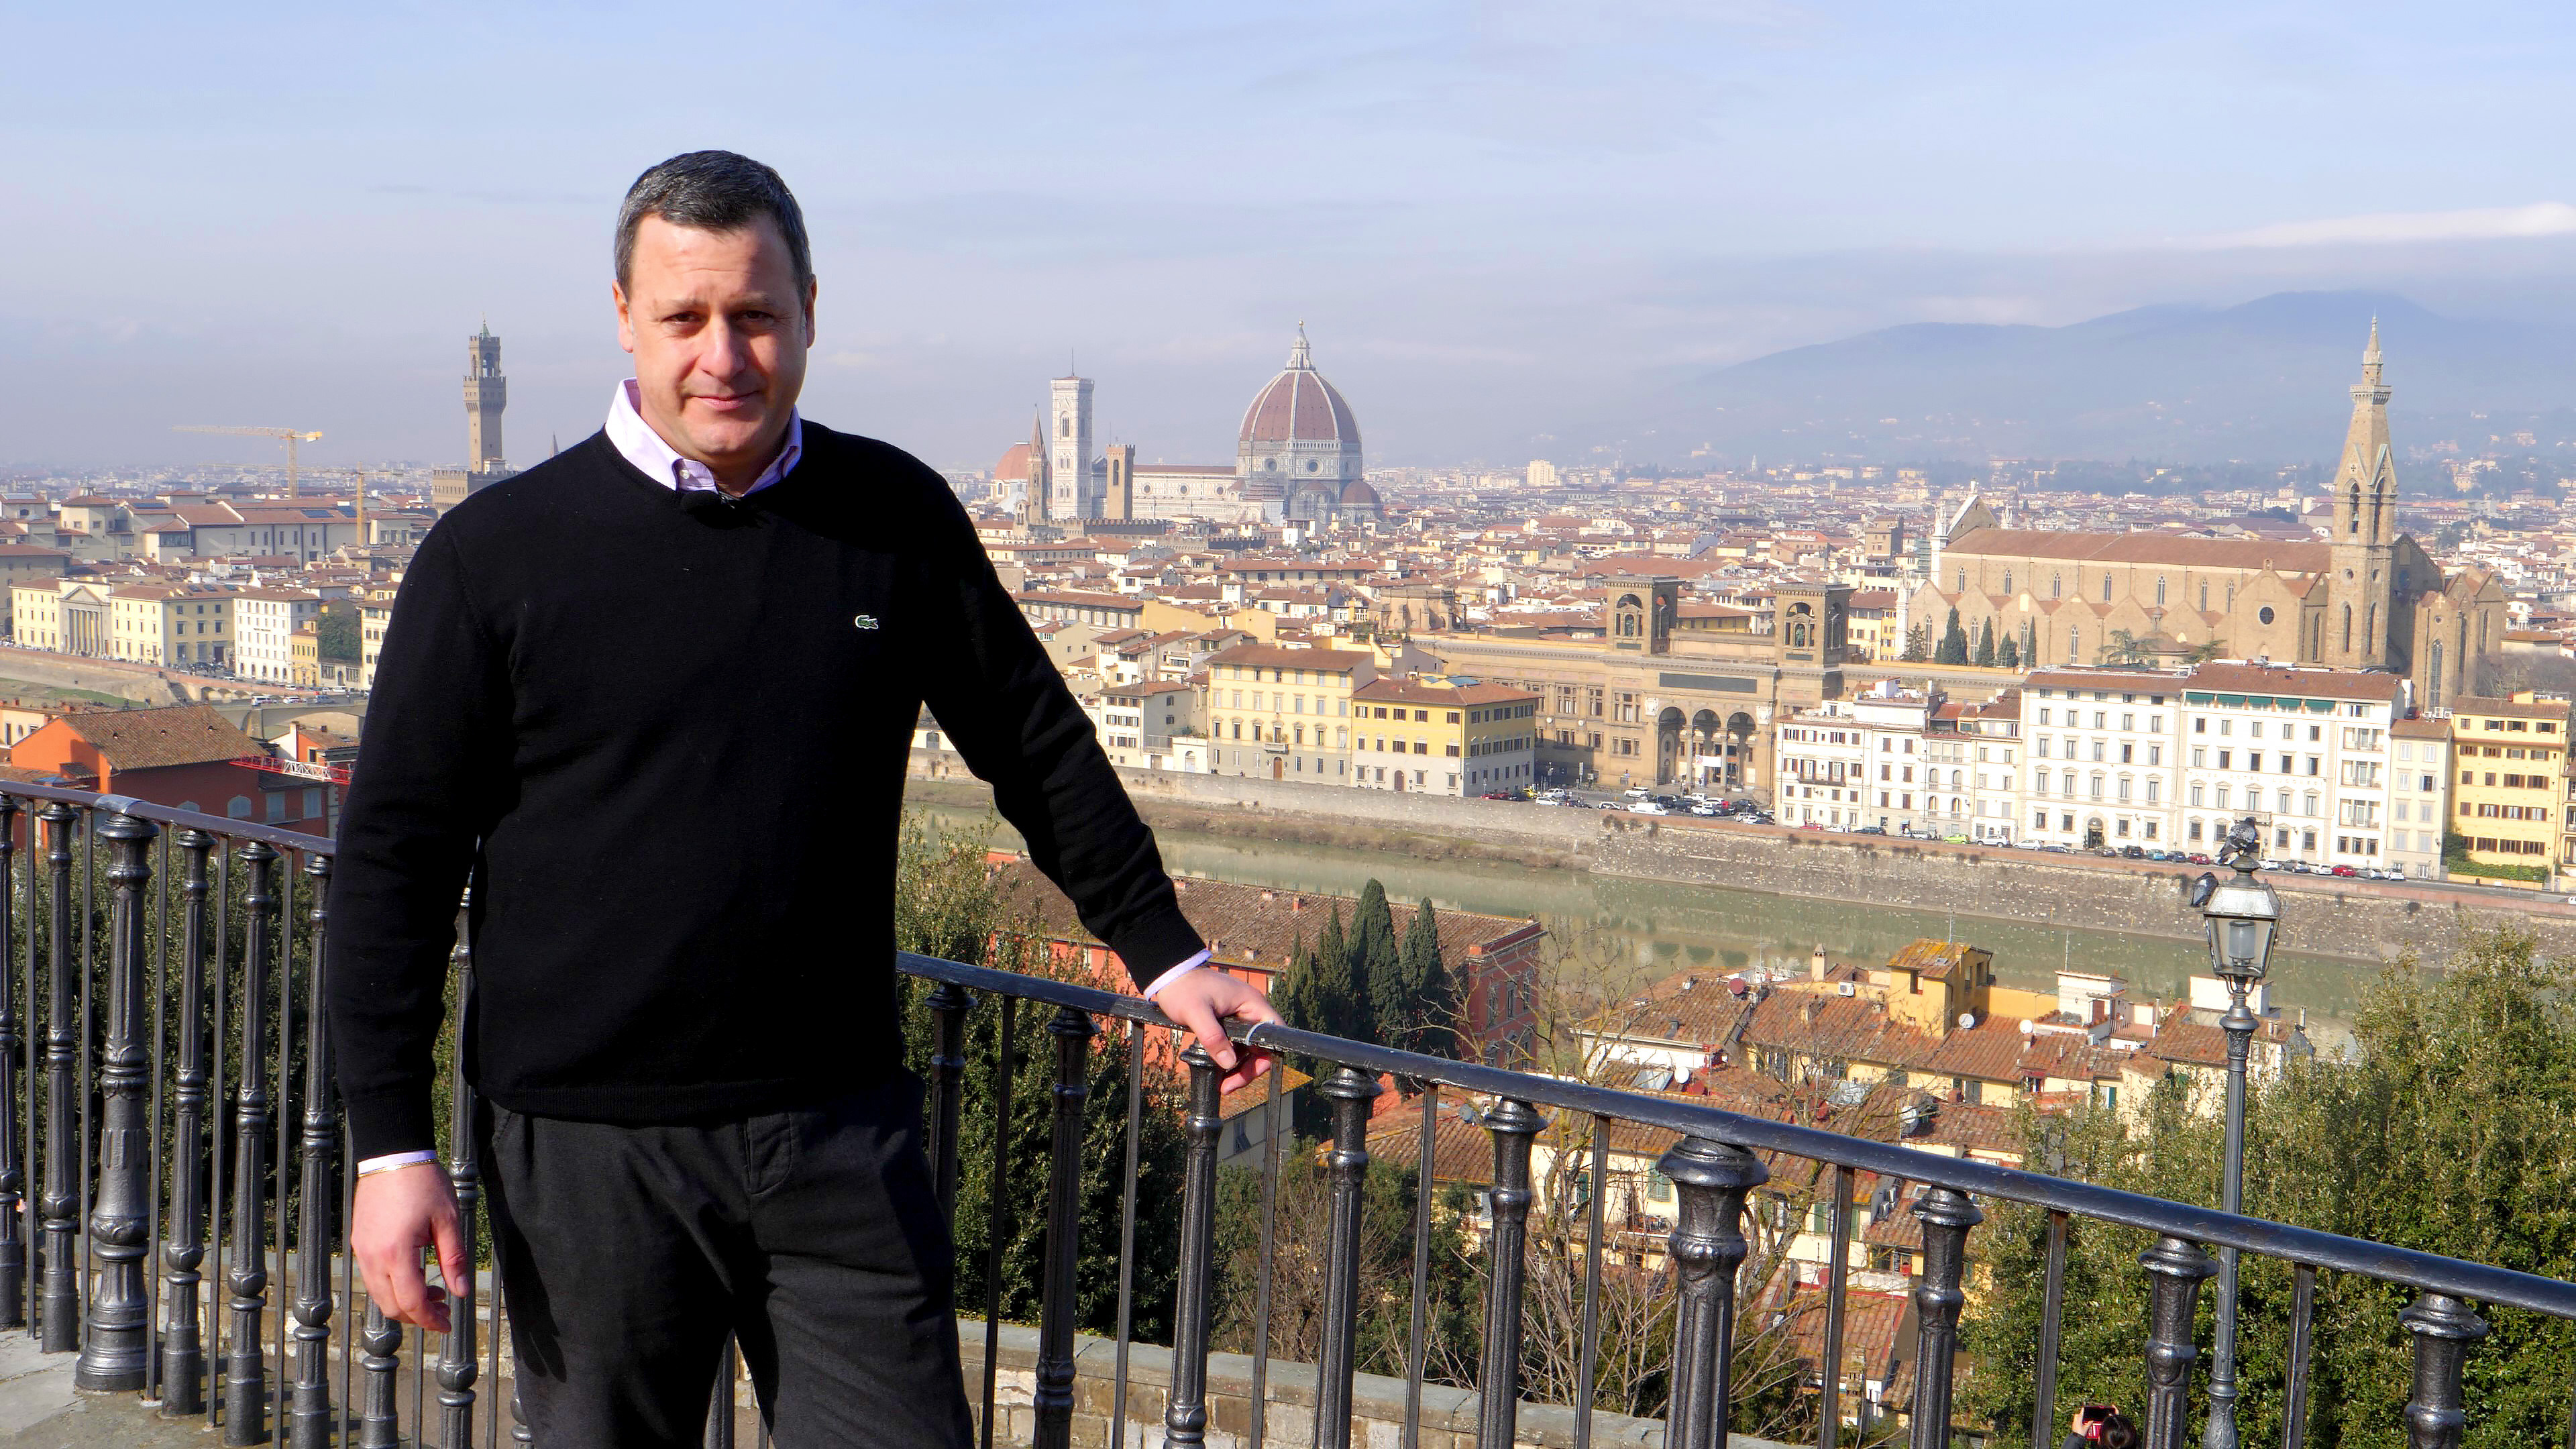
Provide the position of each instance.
(1434, 1004)
(1954, 643)
(1377, 975)
(2009, 656)
(1986, 646)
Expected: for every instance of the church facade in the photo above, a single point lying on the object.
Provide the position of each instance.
(1297, 460)
(2364, 597)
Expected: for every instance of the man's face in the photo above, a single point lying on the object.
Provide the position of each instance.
(719, 330)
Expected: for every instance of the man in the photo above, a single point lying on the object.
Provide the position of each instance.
(653, 698)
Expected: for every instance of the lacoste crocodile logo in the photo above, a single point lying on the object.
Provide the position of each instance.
(864, 621)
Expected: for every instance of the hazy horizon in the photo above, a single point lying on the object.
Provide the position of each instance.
(1497, 222)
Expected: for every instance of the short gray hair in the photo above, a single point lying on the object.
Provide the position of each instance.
(712, 191)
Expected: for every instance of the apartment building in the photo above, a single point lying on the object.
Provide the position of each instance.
(375, 615)
(2419, 795)
(1992, 734)
(2102, 760)
(2509, 761)
(169, 624)
(264, 624)
(1822, 754)
(1284, 713)
(2304, 751)
(1442, 736)
(1145, 725)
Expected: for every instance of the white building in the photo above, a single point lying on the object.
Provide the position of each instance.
(2303, 751)
(1820, 755)
(2419, 795)
(2102, 754)
(1144, 722)
(264, 625)
(1992, 737)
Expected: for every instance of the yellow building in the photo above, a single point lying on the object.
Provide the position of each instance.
(1280, 713)
(304, 656)
(1443, 736)
(169, 624)
(2510, 759)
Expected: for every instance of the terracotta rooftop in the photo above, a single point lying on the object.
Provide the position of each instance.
(147, 739)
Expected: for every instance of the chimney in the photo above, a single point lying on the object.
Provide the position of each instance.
(1296, 904)
(1268, 896)
(1816, 964)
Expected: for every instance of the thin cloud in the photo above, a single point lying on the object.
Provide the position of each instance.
(2493, 223)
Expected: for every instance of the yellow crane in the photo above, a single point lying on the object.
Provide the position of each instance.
(291, 436)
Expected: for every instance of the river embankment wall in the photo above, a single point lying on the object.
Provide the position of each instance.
(2324, 916)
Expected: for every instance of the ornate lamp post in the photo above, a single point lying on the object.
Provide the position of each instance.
(2241, 915)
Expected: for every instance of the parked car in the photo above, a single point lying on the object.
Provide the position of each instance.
(1954, 840)
(1647, 807)
(2345, 870)
(1637, 792)
(1869, 830)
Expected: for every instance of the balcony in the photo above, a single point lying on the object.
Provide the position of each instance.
(174, 1181)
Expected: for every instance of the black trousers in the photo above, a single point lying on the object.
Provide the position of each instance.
(627, 1254)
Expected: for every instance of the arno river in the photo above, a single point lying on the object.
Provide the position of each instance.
(1654, 927)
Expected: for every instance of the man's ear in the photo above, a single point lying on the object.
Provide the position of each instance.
(813, 285)
(625, 316)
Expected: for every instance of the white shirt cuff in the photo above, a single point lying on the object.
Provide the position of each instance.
(392, 1160)
(1176, 973)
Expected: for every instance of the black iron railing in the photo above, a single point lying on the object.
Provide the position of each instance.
(192, 1183)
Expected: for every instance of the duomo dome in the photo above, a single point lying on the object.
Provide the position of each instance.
(1299, 442)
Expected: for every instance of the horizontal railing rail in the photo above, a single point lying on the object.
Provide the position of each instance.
(175, 1185)
(2404, 1266)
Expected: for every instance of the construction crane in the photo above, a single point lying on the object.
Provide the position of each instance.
(291, 436)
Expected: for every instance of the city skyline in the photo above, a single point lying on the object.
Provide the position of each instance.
(1495, 224)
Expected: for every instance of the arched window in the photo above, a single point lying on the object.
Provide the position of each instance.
(2106, 588)
(2370, 631)
(2347, 628)
(2074, 643)
(2353, 519)
(2160, 591)
(2057, 586)
(238, 807)
(2433, 692)
(1963, 581)
(2204, 596)
(2008, 581)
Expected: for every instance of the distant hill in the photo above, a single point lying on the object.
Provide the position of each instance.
(2264, 381)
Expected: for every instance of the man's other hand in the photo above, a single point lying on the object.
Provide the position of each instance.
(398, 1213)
(1202, 1001)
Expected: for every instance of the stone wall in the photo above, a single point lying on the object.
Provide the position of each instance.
(1377, 1404)
(2354, 919)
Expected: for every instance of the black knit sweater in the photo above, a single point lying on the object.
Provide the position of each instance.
(668, 746)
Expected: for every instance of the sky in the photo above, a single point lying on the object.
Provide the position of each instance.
(1495, 220)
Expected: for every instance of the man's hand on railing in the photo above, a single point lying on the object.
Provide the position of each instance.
(397, 1214)
(1204, 998)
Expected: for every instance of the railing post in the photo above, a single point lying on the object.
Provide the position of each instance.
(948, 1002)
(13, 1166)
(1350, 1092)
(1947, 1215)
(456, 1359)
(309, 1415)
(245, 1374)
(61, 1329)
(1515, 1126)
(183, 1352)
(1053, 1398)
(1185, 1415)
(378, 1423)
(1708, 1245)
(2444, 1328)
(2174, 1299)
(116, 1350)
